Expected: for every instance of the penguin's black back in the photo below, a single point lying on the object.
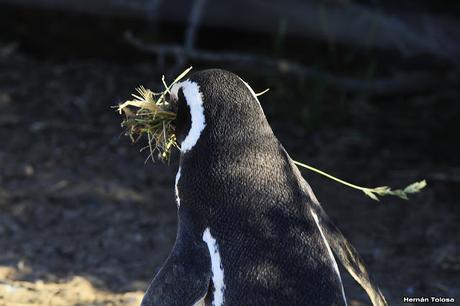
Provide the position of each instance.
(239, 182)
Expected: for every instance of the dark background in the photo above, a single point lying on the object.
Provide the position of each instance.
(365, 90)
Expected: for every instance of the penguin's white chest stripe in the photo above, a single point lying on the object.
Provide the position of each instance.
(194, 100)
(336, 267)
(176, 188)
(216, 267)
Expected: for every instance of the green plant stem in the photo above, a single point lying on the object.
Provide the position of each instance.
(373, 193)
(331, 177)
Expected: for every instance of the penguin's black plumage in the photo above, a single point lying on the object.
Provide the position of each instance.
(250, 231)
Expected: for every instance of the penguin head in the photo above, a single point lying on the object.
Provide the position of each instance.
(216, 107)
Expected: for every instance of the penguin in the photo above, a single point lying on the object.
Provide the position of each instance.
(250, 229)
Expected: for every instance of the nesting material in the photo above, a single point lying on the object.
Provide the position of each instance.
(150, 114)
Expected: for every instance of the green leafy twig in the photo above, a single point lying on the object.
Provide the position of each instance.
(373, 193)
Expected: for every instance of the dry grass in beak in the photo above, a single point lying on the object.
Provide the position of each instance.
(150, 114)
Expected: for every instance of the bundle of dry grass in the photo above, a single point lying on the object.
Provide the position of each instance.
(150, 114)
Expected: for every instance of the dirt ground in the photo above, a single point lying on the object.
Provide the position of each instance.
(84, 221)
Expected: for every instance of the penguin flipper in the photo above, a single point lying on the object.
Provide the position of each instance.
(349, 257)
(342, 248)
(185, 277)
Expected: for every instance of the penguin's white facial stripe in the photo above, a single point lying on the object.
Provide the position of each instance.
(331, 255)
(194, 100)
(174, 91)
(216, 267)
(176, 188)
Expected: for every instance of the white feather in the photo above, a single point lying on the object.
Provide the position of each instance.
(216, 267)
(176, 188)
(253, 94)
(331, 255)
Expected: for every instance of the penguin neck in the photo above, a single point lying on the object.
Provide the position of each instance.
(222, 149)
(228, 176)
(235, 153)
